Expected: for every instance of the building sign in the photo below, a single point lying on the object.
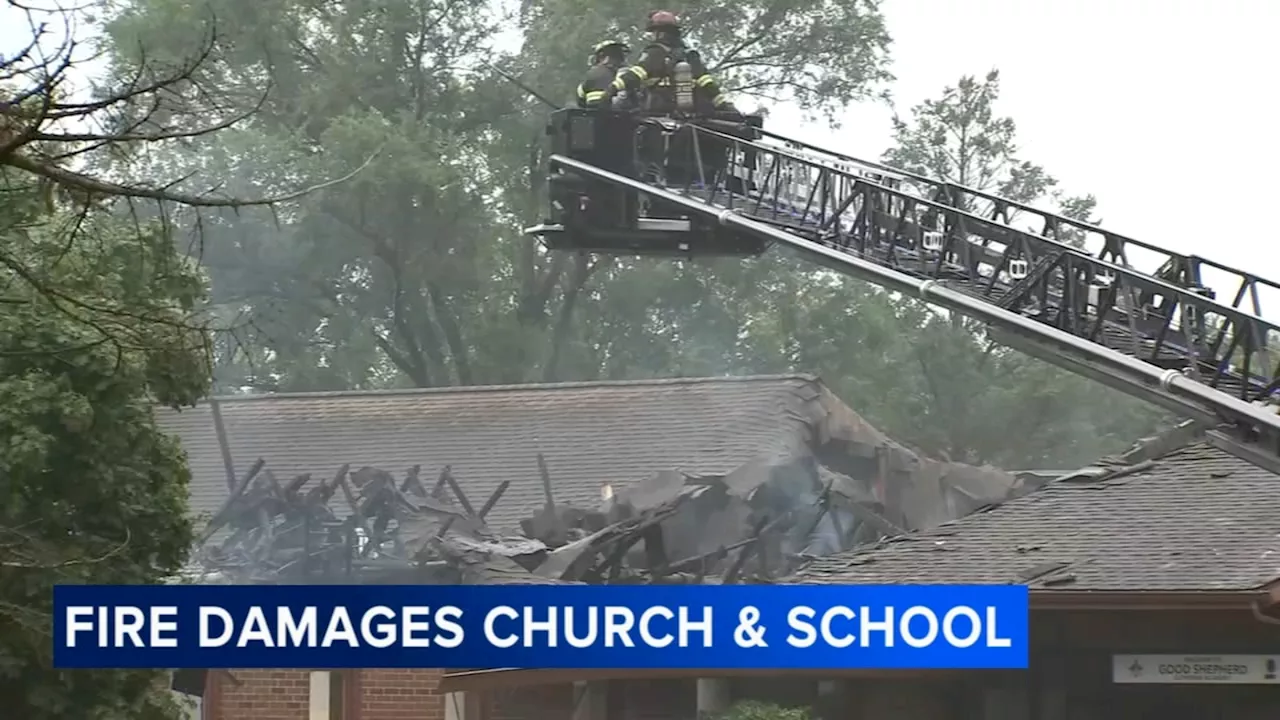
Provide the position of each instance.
(1195, 669)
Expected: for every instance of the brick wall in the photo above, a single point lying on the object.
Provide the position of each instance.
(285, 695)
(414, 695)
(259, 695)
(400, 695)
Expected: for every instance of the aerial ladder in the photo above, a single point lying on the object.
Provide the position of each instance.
(732, 188)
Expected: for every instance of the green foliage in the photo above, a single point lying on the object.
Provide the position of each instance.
(756, 710)
(95, 326)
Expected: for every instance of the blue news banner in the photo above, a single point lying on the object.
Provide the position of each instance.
(685, 627)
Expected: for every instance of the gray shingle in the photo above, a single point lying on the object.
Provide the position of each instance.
(1198, 519)
(591, 434)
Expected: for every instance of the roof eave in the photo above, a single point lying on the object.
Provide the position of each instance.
(504, 678)
(1046, 599)
(1041, 599)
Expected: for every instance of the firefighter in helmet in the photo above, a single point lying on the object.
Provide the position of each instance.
(597, 88)
(672, 74)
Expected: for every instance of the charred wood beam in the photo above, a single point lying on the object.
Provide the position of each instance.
(750, 545)
(380, 524)
(457, 493)
(625, 532)
(546, 482)
(704, 562)
(272, 485)
(882, 525)
(295, 486)
(223, 514)
(438, 490)
(224, 443)
(497, 494)
(613, 562)
(824, 511)
(448, 525)
(841, 538)
(412, 483)
(265, 534)
(357, 517)
(319, 496)
(655, 550)
(700, 562)
(284, 532)
(824, 506)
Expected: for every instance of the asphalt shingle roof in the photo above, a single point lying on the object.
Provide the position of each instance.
(1197, 519)
(591, 434)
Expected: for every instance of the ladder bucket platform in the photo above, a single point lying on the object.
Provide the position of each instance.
(598, 217)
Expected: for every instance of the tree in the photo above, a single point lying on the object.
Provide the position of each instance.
(92, 328)
(100, 318)
(48, 127)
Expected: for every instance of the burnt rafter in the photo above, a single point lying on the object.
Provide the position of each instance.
(369, 526)
(1179, 333)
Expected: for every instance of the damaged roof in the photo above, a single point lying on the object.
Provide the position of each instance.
(1194, 519)
(592, 435)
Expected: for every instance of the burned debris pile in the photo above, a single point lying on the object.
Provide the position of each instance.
(370, 526)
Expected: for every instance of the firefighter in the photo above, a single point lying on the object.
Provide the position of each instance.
(597, 89)
(673, 75)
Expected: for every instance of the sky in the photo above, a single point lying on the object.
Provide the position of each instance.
(1163, 110)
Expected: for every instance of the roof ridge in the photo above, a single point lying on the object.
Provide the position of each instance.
(521, 387)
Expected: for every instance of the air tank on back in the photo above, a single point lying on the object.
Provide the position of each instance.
(684, 86)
